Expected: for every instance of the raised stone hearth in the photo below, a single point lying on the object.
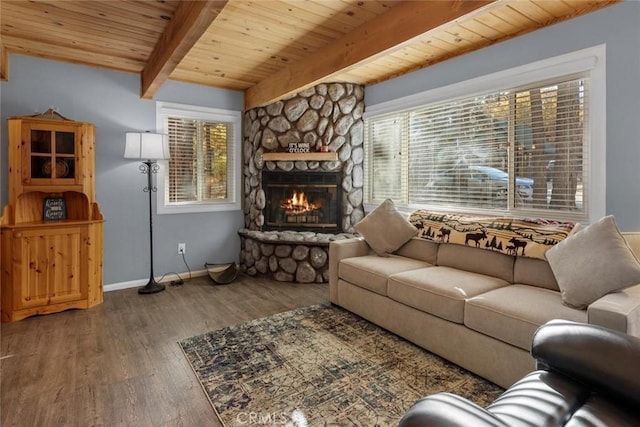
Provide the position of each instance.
(324, 118)
(288, 256)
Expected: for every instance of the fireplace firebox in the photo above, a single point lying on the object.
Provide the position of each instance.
(302, 201)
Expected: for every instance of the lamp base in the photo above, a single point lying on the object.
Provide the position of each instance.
(151, 287)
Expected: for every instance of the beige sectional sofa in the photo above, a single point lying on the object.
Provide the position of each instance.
(474, 307)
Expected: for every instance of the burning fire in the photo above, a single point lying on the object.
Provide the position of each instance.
(298, 204)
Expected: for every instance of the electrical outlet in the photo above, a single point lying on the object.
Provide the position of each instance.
(182, 248)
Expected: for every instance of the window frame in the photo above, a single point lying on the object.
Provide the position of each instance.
(590, 60)
(234, 118)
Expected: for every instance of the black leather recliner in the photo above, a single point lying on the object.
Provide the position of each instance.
(587, 376)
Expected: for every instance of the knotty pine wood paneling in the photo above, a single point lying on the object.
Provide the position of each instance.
(250, 41)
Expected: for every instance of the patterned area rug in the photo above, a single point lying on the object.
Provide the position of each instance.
(320, 365)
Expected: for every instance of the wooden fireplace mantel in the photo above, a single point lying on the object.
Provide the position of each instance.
(315, 156)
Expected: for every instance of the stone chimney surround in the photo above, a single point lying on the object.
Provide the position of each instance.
(328, 119)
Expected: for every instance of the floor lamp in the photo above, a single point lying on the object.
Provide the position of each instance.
(148, 148)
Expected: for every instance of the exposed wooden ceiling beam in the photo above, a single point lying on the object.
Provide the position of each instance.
(190, 21)
(386, 33)
(4, 64)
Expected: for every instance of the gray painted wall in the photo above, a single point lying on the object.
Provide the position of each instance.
(111, 101)
(619, 27)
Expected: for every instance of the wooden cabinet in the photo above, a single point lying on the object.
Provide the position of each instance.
(50, 262)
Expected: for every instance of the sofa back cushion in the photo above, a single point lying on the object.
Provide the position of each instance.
(534, 272)
(476, 260)
(420, 249)
(633, 240)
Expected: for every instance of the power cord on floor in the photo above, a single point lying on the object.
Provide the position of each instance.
(176, 282)
(187, 265)
(180, 280)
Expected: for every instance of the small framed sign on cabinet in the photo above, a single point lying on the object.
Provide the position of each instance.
(54, 208)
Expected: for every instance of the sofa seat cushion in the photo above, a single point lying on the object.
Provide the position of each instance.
(371, 271)
(440, 291)
(513, 313)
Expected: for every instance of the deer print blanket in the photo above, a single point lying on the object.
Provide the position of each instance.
(511, 236)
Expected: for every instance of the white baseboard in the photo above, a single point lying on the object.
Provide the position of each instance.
(141, 282)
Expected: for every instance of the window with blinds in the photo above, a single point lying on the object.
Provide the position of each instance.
(513, 149)
(200, 151)
(203, 172)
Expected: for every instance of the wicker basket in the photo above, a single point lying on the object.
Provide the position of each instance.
(222, 274)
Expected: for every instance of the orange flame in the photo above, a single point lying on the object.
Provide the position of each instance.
(298, 204)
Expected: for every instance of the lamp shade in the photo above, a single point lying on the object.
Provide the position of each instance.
(146, 145)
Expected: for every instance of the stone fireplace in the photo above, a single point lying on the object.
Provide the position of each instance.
(314, 137)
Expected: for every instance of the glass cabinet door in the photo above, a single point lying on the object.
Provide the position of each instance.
(52, 154)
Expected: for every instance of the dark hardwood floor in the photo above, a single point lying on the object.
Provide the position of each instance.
(119, 364)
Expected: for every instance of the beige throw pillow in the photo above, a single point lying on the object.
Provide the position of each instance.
(593, 262)
(385, 229)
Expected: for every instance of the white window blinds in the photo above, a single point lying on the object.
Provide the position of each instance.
(387, 137)
(512, 149)
(200, 154)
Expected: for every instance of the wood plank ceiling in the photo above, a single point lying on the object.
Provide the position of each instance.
(268, 48)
